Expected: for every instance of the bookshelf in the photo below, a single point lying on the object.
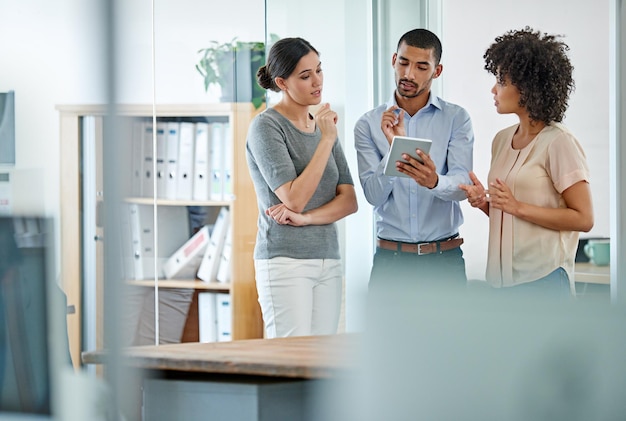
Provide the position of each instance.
(246, 317)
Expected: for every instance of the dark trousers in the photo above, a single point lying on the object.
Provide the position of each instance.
(400, 282)
(555, 285)
(400, 269)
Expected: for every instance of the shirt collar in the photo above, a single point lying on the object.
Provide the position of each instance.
(432, 100)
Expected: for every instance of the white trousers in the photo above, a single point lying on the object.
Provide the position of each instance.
(299, 297)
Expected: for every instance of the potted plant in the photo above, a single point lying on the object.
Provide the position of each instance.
(233, 66)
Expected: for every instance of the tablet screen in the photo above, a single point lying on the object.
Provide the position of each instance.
(401, 145)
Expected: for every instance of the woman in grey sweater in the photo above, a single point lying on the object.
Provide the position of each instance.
(303, 186)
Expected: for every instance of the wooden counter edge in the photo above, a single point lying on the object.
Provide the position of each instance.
(592, 274)
(260, 357)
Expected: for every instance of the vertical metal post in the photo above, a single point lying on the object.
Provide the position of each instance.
(618, 152)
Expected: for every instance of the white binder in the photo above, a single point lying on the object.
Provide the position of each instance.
(161, 162)
(212, 256)
(224, 317)
(207, 316)
(147, 185)
(172, 159)
(142, 242)
(202, 162)
(184, 185)
(184, 263)
(173, 231)
(227, 169)
(137, 158)
(223, 273)
(126, 243)
(217, 160)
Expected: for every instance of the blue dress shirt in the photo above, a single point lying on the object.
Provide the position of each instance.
(404, 210)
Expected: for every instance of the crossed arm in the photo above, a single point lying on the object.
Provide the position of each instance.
(342, 205)
(295, 194)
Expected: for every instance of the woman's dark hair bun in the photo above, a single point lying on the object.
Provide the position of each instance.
(263, 78)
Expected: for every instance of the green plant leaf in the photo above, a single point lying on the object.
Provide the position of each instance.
(217, 61)
(258, 101)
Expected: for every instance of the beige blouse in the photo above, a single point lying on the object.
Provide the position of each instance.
(520, 251)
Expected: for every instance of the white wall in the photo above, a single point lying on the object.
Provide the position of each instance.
(181, 27)
(586, 29)
(49, 54)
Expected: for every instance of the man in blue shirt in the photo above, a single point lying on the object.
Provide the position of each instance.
(417, 218)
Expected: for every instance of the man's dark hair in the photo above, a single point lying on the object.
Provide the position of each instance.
(422, 38)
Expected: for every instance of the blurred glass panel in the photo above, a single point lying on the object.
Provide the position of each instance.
(7, 128)
(33, 331)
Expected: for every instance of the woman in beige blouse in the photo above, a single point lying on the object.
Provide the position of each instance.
(538, 197)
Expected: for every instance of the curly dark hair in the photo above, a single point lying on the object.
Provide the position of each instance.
(537, 64)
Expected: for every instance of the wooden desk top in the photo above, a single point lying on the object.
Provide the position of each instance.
(306, 357)
(592, 274)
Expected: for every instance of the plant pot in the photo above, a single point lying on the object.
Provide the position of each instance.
(238, 70)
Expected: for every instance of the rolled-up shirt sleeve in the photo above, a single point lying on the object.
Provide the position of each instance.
(371, 163)
(459, 160)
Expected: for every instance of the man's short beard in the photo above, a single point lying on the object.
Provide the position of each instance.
(409, 96)
(416, 94)
(417, 87)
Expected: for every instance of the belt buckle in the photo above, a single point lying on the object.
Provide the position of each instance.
(419, 249)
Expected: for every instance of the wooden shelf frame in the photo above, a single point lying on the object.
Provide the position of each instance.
(183, 283)
(247, 320)
(169, 202)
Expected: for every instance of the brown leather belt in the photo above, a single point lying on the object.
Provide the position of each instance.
(420, 248)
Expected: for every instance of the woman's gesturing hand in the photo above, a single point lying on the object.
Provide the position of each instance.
(476, 194)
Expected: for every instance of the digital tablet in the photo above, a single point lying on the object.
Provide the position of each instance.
(404, 145)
